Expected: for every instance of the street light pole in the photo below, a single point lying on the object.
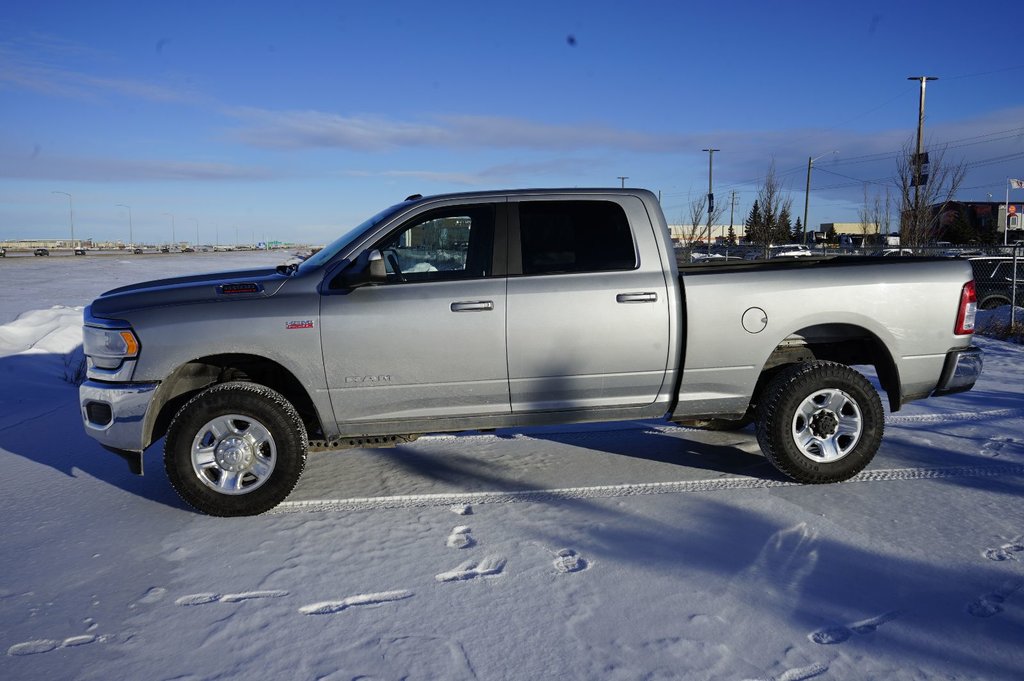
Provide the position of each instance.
(807, 192)
(131, 238)
(711, 194)
(622, 179)
(71, 217)
(920, 138)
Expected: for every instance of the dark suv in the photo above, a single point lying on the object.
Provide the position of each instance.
(993, 279)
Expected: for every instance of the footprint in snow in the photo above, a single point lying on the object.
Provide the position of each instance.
(992, 604)
(204, 598)
(491, 566)
(331, 607)
(801, 673)
(151, 596)
(840, 633)
(48, 645)
(1008, 551)
(460, 538)
(567, 560)
(995, 446)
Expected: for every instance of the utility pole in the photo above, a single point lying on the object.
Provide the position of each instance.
(807, 192)
(919, 160)
(622, 179)
(711, 194)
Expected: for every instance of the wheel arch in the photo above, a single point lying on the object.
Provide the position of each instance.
(200, 373)
(847, 344)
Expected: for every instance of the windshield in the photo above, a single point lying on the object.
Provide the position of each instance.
(325, 254)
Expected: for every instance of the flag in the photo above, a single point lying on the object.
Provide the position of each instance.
(1016, 184)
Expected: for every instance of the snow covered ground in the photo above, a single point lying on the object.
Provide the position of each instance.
(624, 551)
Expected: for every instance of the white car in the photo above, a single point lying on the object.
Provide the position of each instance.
(789, 251)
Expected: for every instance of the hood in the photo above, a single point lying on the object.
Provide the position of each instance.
(198, 288)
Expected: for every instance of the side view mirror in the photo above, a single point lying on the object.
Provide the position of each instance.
(366, 269)
(377, 272)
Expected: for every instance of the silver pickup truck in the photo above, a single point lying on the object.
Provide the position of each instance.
(509, 309)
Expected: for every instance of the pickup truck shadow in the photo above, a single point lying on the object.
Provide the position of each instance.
(513, 461)
(40, 421)
(704, 450)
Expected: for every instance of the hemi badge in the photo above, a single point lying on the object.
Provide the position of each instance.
(229, 289)
(304, 324)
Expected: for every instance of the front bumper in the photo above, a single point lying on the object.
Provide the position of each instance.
(962, 369)
(115, 413)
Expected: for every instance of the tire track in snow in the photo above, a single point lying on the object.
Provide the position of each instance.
(628, 490)
(954, 417)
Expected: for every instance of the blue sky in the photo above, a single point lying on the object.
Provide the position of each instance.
(294, 120)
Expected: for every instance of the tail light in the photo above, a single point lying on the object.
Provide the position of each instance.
(968, 310)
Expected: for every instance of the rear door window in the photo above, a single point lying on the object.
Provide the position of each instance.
(575, 236)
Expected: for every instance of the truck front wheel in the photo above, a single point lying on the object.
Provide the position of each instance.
(235, 449)
(820, 422)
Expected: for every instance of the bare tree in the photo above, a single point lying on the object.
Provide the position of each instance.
(696, 226)
(774, 204)
(716, 216)
(921, 205)
(876, 213)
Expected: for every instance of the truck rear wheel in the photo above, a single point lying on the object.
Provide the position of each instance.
(235, 449)
(820, 422)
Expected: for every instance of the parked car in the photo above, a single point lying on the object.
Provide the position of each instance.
(789, 251)
(3, 252)
(993, 281)
(584, 316)
(41, 251)
(79, 251)
(137, 251)
(896, 253)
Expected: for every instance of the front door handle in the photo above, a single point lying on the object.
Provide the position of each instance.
(647, 297)
(473, 306)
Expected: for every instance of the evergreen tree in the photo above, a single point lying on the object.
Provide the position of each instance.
(798, 232)
(755, 224)
(731, 239)
(783, 227)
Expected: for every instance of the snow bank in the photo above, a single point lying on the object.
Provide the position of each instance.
(54, 331)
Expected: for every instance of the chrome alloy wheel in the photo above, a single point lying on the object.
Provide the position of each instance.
(827, 425)
(233, 454)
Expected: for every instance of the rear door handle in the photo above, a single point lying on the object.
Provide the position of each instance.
(648, 297)
(473, 306)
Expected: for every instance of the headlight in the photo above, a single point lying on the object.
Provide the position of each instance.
(107, 348)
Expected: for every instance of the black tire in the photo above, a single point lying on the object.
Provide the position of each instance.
(247, 469)
(820, 422)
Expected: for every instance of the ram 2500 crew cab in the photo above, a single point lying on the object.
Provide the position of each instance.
(507, 309)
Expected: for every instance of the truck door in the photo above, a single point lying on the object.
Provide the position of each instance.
(588, 305)
(431, 341)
